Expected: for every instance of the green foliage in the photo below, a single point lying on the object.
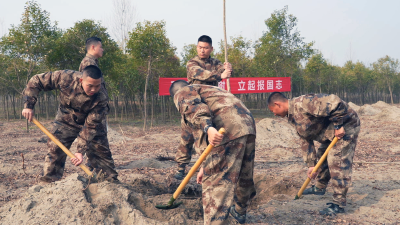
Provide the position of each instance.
(152, 51)
(36, 45)
(188, 52)
(239, 55)
(27, 45)
(280, 50)
(387, 69)
(71, 49)
(316, 71)
(148, 41)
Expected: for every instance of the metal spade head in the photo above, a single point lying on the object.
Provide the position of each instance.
(170, 205)
(173, 206)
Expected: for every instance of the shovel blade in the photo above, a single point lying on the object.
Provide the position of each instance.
(173, 206)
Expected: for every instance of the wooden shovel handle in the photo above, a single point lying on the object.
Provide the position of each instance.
(321, 160)
(55, 140)
(228, 83)
(195, 167)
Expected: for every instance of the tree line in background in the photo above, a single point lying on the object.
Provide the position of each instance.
(143, 53)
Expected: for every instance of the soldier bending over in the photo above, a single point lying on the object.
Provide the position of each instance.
(80, 113)
(321, 117)
(227, 173)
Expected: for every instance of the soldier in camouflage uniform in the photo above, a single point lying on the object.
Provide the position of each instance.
(228, 170)
(321, 117)
(202, 69)
(94, 50)
(184, 152)
(81, 110)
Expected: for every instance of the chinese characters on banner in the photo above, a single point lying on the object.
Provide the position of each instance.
(240, 85)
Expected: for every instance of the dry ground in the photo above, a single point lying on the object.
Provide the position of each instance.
(279, 173)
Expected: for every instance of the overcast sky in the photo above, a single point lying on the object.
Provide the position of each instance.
(360, 30)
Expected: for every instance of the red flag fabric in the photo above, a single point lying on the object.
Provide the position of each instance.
(240, 85)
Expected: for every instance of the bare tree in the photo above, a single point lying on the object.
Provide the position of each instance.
(122, 21)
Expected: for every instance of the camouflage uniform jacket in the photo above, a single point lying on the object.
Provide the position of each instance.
(87, 61)
(76, 108)
(204, 71)
(314, 117)
(204, 105)
(91, 60)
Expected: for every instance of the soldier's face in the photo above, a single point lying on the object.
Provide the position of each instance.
(90, 86)
(278, 109)
(98, 50)
(204, 49)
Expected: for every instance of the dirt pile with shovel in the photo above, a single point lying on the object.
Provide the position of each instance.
(146, 182)
(69, 202)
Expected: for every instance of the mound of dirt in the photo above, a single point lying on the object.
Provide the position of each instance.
(66, 202)
(381, 104)
(276, 132)
(368, 110)
(381, 111)
(354, 106)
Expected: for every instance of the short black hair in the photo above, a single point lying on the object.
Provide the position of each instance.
(92, 72)
(92, 41)
(205, 38)
(176, 86)
(276, 97)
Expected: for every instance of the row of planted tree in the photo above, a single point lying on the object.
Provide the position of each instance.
(133, 65)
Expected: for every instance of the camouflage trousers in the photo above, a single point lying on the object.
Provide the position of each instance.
(228, 178)
(338, 166)
(184, 152)
(99, 154)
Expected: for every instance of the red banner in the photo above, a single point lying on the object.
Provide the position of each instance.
(240, 85)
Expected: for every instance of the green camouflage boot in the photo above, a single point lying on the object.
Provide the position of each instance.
(314, 191)
(241, 218)
(181, 172)
(333, 209)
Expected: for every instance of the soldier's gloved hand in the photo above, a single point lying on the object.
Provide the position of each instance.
(340, 133)
(78, 160)
(214, 138)
(200, 174)
(28, 114)
(314, 175)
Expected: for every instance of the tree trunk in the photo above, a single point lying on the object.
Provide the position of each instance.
(133, 106)
(115, 107)
(391, 94)
(4, 105)
(145, 92)
(152, 107)
(47, 105)
(122, 109)
(8, 114)
(13, 105)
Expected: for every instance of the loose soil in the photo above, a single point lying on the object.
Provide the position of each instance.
(146, 174)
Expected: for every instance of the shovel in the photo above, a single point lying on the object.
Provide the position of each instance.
(55, 140)
(321, 160)
(171, 204)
